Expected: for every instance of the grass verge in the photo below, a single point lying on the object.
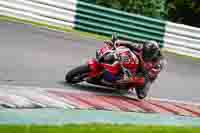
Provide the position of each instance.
(181, 55)
(97, 128)
(38, 24)
(58, 28)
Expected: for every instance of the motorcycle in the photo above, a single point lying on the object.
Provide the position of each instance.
(112, 67)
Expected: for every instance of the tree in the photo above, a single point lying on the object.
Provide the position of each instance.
(180, 11)
(184, 11)
(151, 8)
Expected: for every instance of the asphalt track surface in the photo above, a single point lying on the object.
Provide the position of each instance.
(31, 56)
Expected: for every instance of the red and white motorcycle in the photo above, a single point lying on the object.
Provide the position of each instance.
(112, 67)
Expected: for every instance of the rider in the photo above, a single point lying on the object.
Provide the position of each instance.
(151, 63)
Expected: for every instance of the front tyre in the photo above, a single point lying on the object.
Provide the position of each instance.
(143, 91)
(77, 74)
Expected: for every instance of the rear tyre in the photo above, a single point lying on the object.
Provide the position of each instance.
(77, 74)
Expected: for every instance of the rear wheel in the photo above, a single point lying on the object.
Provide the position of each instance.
(77, 74)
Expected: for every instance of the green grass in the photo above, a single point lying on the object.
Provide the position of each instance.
(38, 24)
(182, 56)
(59, 28)
(97, 128)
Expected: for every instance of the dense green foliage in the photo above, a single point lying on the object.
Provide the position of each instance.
(180, 11)
(151, 8)
(97, 128)
(184, 11)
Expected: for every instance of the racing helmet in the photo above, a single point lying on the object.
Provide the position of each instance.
(150, 50)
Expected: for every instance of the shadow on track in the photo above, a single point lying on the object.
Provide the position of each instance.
(90, 88)
(99, 90)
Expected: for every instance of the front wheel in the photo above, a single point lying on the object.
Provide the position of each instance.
(143, 91)
(77, 74)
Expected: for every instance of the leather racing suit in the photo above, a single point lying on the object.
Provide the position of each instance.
(149, 68)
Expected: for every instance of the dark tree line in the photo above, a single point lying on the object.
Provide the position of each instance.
(180, 11)
(184, 11)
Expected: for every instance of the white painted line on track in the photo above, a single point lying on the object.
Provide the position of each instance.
(175, 101)
(30, 95)
(61, 101)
